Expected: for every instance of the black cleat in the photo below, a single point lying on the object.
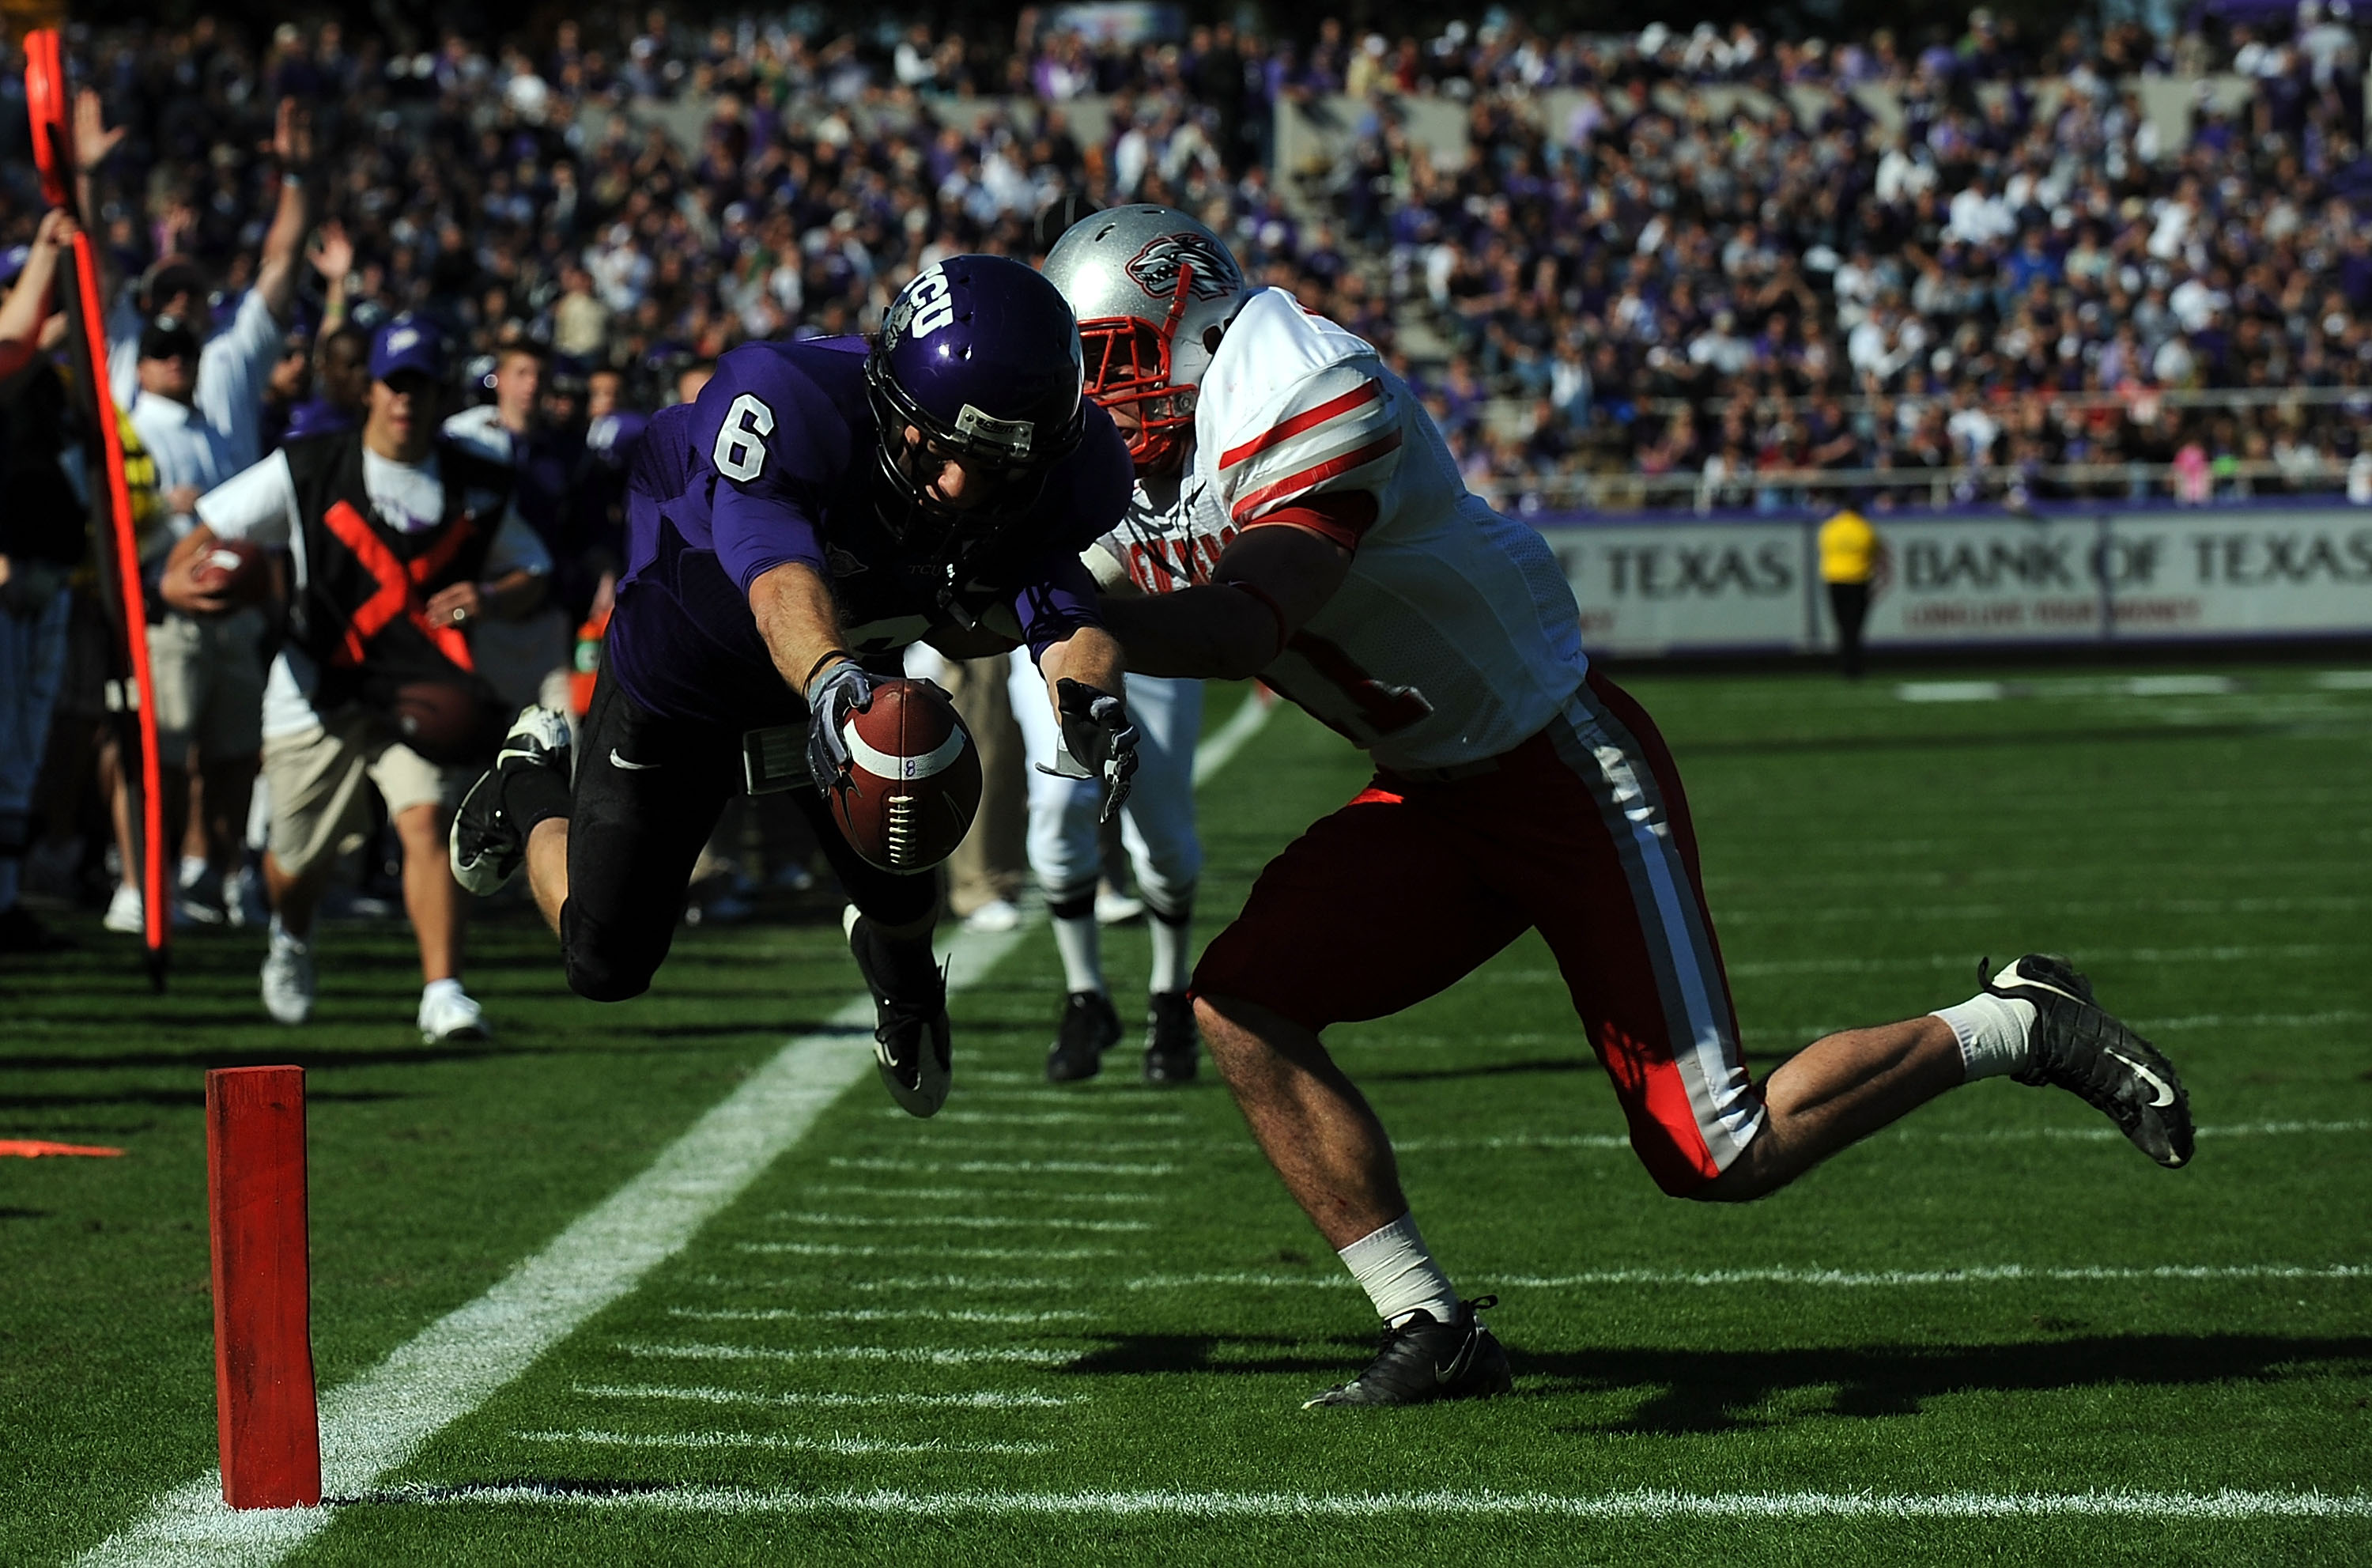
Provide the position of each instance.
(2081, 1047)
(1171, 1042)
(1424, 1360)
(1089, 1028)
(912, 1047)
(485, 846)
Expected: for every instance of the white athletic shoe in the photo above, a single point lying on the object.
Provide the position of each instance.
(288, 979)
(1117, 909)
(449, 1015)
(997, 914)
(126, 913)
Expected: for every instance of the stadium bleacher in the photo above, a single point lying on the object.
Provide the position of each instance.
(1670, 270)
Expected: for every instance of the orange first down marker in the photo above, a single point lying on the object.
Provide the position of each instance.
(265, 1418)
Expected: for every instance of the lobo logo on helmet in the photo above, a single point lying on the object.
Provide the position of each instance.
(927, 302)
(1155, 268)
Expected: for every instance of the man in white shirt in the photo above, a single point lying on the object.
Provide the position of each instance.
(528, 659)
(399, 542)
(197, 405)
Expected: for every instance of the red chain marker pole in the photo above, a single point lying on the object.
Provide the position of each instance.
(265, 1417)
(45, 101)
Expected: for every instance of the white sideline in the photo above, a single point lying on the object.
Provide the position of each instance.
(1638, 1504)
(376, 1423)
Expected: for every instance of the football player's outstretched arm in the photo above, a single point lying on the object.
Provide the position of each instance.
(792, 605)
(1089, 655)
(1267, 585)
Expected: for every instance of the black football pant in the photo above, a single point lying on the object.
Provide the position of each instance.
(648, 793)
(1850, 603)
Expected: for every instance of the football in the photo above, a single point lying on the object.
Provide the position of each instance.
(235, 570)
(447, 724)
(915, 787)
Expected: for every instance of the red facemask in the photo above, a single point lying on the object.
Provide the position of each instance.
(1128, 364)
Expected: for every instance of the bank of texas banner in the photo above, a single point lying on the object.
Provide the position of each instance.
(1649, 588)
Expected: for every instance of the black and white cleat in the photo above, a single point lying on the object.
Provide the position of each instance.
(1424, 1359)
(485, 846)
(2081, 1047)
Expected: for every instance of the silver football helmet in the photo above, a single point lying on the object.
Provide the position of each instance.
(1154, 291)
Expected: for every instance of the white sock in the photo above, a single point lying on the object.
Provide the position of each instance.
(1992, 1030)
(282, 937)
(436, 989)
(1082, 949)
(1173, 955)
(1399, 1275)
(193, 867)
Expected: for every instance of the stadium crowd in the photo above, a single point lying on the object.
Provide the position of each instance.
(1673, 282)
(1675, 267)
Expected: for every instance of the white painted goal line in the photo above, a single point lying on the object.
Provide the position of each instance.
(1640, 1504)
(374, 1425)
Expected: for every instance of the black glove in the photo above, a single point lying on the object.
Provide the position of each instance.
(838, 689)
(1097, 734)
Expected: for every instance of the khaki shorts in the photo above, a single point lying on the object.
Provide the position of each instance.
(209, 684)
(316, 780)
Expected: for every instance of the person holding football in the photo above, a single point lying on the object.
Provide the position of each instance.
(1322, 539)
(819, 508)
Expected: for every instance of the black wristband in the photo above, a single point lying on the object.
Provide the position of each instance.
(817, 668)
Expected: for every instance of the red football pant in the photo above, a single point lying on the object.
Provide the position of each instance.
(1581, 832)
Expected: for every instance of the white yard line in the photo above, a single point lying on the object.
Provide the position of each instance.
(1643, 1504)
(912, 1355)
(959, 1221)
(1044, 1118)
(974, 1400)
(1002, 1167)
(872, 1315)
(1825, 1279)
(979, 1194)
(1963, 962)
(833, 1249)
(376, 1423)
(2214, 1132)
(771, 1441)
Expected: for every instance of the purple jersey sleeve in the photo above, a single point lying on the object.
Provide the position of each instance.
(774, 441)
(1059, 601)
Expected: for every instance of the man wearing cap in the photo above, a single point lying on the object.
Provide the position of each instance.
(400, 542)
(198, 406)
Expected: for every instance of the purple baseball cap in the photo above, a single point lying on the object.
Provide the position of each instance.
(408, 343)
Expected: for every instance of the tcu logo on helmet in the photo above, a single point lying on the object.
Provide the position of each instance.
(1156, 267)
(925, 304)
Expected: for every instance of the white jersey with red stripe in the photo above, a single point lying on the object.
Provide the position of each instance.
(1455, 635)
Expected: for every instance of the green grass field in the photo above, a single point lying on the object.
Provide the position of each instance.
(1076, 1325)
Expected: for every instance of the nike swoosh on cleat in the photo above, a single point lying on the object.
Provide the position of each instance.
(1457, 1364)
(618, 761)
(2165, 1092)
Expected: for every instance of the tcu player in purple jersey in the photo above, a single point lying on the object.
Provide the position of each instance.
(819, 507)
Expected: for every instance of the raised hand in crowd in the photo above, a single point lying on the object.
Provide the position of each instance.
(23, 315)
(332, 256)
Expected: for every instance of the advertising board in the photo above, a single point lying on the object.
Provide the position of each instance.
(1649, 588)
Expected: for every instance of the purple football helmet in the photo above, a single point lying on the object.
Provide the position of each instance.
(980, 355)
